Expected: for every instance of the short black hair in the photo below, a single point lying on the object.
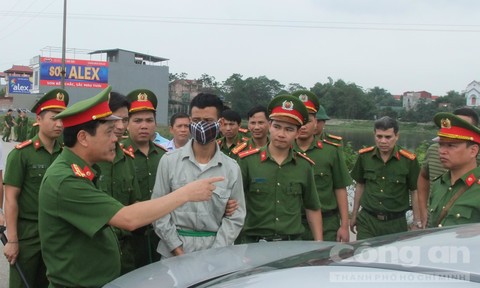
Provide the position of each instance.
(204, 100)
(467, 112)
(70, 133)
(256, 109)
(176, 116)
(118, 101)
(386, 123)
(231, 115)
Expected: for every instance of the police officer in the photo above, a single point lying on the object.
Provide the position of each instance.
(147, 154)
(330, 171)
(118, 178)
(8, 122)
(232, 141)
(75, 217)
(455, 200)
(385, 174)
(26, 165)
(277, 180)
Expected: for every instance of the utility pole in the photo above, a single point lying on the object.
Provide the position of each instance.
(64, 43)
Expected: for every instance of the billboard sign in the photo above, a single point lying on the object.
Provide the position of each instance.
(19, 85)
(80, 73)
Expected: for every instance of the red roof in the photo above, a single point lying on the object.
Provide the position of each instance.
(20, 69)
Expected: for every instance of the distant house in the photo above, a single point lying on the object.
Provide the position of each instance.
(411, 98)
(181, 92)
(472, 94)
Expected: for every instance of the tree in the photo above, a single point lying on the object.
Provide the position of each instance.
(244, 94)
(292, 87)
(175, 76)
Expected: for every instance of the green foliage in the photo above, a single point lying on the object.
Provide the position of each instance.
(244, 94)
(421, 151)
(350, 155)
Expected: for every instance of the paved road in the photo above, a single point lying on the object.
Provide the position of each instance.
(6, 148)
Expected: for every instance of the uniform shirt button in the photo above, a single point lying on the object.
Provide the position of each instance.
(276, 219)
(381, 190)
(439, 225)
(458, 215)
(443, 207)
(278, 201)
(278, 184)
(321, 174)
(150, 190)
(397, 181)
(39, 174)
(450, 188)
(279, 167)
(380, 203)
(258, 190)
(431, 210)
(383, 177)
(149, 174)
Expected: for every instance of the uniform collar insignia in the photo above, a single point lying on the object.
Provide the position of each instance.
(263, 155)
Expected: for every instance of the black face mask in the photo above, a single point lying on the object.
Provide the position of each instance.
(204, 132)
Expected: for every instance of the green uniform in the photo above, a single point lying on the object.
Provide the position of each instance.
(23, 129)
(330, 173)
(79, 248)
(16, 128)
(466, 209)
(386, 196)
(239, 144)
(7, 130)
(145, 239)
(26, 165)
(118, 179)
(275, 195)
(33, 130)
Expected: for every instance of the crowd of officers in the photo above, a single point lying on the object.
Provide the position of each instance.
(92, 183)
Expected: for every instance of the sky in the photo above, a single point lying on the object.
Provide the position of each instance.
(408, 45)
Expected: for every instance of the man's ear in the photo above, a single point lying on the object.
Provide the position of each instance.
(82, 136)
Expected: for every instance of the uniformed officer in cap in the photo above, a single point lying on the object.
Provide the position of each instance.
(330, 171)
(278, 180)
(147, 154)
(26, 165)
(78, 244)
(455, 200)
(119, 179)
(386, 178)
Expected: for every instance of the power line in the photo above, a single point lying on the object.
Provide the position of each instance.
(301, 24)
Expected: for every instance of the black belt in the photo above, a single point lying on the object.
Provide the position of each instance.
(329, 213)
(385, 216)
(274, 238)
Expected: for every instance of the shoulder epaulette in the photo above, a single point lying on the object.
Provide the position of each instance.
(160, 146)
(129, 153)
(408, 154)
(243, 130)
(78, 171)
(365, 150)
(306, 158)
(239, 148)
(339, 138)
(23, 144)
(332, 143)
(219, 142)
(248, 152)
